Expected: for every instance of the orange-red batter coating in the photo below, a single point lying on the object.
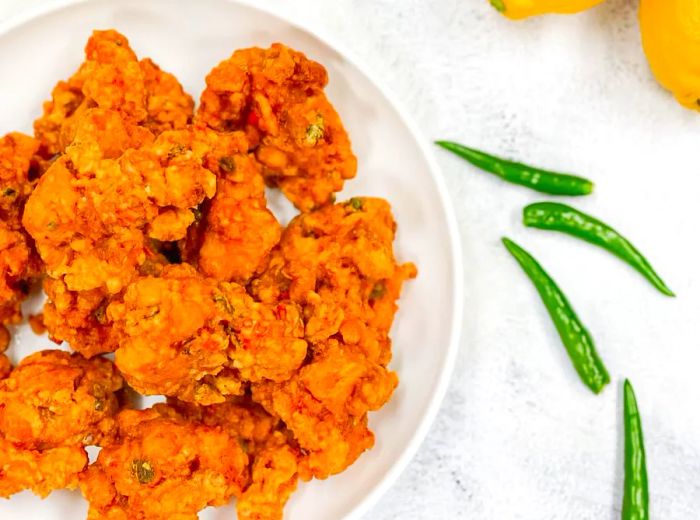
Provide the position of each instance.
(164, 467)
(152, 229)
(94, 212)
(19, 263)
(273, 454)
(52, 405)
(197, 339)
(276, 95)
(325, 407)
(169, 107)
(338, 263)
(112, 78)
(113, 105)
(5, 366)
(237, 231)
(42, 471)
(78, 317)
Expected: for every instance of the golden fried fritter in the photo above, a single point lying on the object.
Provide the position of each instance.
(112, 78)
(338, 263)
(52, 405)
(325, 406)
(276, 96)
(163, 467)
(66, 97)
(19, 263)
(96, 208)
(239, 416)
(54, 398)
(237, 232)
(274, 476)
(78, 317)
(169, 106)
(18, 266)
(113, 105)
(273, 454)
(272, 346)
(42, 471)
(18, 167)
(194, 338)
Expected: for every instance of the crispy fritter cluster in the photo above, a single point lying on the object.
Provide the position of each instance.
(19, 263)
(197, 339)
(97, 210)
(276, 96)
(162, 467)
(52, 405)
(112, 78)
(115, 188)
(273, 454)
(125, 179)
(338, 264)
(237, 218)
(153, 232)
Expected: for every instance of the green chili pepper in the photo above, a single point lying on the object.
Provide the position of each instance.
(560, 217)
(577, 340)
(635, 504)
(142, 470)
(539, 180)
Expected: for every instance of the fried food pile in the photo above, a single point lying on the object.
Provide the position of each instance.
(147, 222)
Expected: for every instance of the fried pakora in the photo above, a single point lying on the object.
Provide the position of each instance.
(19, 263)
(112, 78)
(276, 95)
(152, 229)
(338, 264)
(164, 467)
(112, 105)
(96, 210)
(197, 339)
(273, 453)
(237, 218)
(325, 406)
(52, 405)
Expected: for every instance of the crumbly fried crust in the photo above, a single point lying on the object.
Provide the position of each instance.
(197, 339)
(338, 264)
(276, 96)
(52, 405)
(164, 467)
(19, 263)
(274, 455)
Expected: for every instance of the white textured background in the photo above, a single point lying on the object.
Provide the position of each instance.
(519, 437)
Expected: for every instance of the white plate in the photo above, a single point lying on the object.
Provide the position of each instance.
(188, 39)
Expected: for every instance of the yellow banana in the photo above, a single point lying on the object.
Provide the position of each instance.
(671, 39)
(517, 9)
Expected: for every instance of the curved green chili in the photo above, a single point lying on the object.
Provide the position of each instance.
(635, 504)
(560, 217)
(534, 178)
(577, 340)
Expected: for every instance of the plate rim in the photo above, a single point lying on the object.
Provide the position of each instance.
(456, 258)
